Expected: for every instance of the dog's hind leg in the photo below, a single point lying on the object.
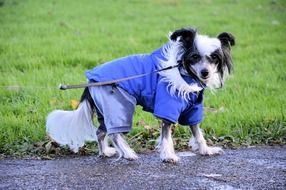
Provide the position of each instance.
(122, 147)
(198, 143)
(103, 148)
(165, 145)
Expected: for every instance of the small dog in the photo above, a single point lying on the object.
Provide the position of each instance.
(173, 95)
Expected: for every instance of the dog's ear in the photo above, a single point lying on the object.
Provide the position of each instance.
(185, 35)
(226, 39)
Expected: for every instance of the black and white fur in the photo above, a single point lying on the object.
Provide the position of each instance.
(208, 57)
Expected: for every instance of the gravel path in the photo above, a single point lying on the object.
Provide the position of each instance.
(249, 168)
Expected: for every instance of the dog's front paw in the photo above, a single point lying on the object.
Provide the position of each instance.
(130, 156)
(208, 151)
(194, 145)
(109, 152)
(170, 158)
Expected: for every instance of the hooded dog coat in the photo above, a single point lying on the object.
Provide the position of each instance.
(152, 92)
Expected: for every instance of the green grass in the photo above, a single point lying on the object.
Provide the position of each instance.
(44, 43)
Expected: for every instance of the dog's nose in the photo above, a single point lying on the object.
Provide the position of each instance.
(204, 73)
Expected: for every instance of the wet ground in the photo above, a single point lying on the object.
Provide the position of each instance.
(249, 168)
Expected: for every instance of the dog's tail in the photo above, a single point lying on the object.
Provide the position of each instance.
(73, 128)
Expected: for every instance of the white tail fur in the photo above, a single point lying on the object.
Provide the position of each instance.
(71, 128)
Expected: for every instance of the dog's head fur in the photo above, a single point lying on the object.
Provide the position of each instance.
(209, 58)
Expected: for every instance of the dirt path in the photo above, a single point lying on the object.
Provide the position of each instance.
(252, 168)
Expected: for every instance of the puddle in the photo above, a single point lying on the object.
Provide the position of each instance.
(270, 164)
(185, 154)
(210, 184)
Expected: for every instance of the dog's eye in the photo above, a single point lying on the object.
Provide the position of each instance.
(195, 58)
(214, 58)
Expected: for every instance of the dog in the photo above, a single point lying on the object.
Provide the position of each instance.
(173, 95)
